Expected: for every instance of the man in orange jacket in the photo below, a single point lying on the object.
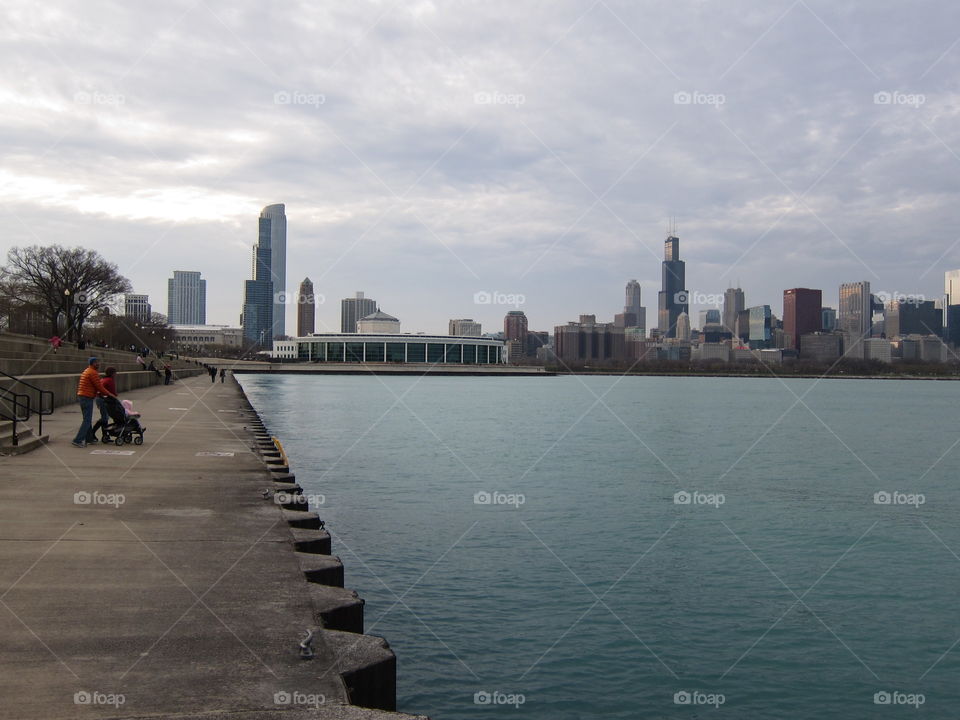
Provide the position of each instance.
(88, 388)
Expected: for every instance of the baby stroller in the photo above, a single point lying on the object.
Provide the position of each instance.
(126, 425)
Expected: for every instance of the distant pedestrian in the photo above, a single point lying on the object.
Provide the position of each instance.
(81, 344)
(213, 373)
(56, 342)
(141, 362)
(167, 374)
(223, 374)
(88, 388)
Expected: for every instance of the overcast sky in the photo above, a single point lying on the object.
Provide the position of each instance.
(429, 151)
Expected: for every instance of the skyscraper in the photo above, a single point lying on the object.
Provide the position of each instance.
(515, 327)
(306, 309)
(733, 304)
(633, 307)
(465, 327)
(802, 309)
(136, 307)
(761, 327)
(353, 309)
(258, 294)
(683, 327)
(951, 287)
(276, 225)
(855, 316)
(673, 296)
(186, 298)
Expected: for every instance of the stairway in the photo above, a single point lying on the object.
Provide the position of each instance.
(26, 440)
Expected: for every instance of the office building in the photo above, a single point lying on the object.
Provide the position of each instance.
(877, 349)
(378, 323)
(194, 339)
(137, 307)
(515, 328)
(273, 220)
(913, 317)
(353, 309)
(802, 313)
(683, 327)
(821, 347)
(465, 327)
(633, 307)
(186, 298)
(855, 316)
(734, 303)
(761, 327)
(673, 297)
(828, 319)
(536, 339)
(258, 293)
(306, 309)
(587, 341)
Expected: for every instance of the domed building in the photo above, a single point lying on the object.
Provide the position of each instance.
(378, 323)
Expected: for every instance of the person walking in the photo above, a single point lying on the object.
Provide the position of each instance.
(55, 343)
(223, 374)
(88, 388)
(213, 373)
(167, 374)
(102, 399)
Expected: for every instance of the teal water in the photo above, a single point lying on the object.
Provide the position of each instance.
(601, 597)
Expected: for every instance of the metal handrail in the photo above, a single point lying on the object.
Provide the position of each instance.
(40, 411)
(13, 417)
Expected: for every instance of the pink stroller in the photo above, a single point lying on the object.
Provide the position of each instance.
(130, 430)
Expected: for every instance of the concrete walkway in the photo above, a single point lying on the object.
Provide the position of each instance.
(158, 582)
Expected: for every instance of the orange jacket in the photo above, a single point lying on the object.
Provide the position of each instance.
(90, 384)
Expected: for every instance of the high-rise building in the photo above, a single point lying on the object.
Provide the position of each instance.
(306, 309)
(633, 307)
(258, 293)
(515, 328)
(801, 313)
(913, 317)
(353, 310)
(828, 319)
(683, 327)
(137, 307)
(951, 287)
(589, 341)
(710, 317)
(761, 327)
(186, 298)
(465, 327)
(273, 218)
(673, 297)
(855, 317)
(733, 304)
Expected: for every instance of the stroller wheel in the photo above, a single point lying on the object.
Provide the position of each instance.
(105, 440)
(138, 440)
(119, 440)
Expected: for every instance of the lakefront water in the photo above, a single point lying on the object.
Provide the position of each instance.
(583, 589)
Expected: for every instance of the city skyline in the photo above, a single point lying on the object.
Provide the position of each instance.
(758, 141)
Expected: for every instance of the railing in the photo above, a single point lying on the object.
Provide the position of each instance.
(16, 403)
(42, 408)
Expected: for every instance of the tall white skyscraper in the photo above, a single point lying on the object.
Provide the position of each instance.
(683, 327)
(951, 286)
(186, 298)
(276, 214)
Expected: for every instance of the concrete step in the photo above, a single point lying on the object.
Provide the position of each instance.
(24, 445)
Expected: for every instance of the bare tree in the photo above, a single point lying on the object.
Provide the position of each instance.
(70, 284)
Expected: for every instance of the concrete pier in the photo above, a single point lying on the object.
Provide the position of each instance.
(165, 580)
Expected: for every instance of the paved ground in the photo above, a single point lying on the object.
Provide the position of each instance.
(168, 580)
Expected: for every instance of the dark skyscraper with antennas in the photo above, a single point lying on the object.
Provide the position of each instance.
(673, 298)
